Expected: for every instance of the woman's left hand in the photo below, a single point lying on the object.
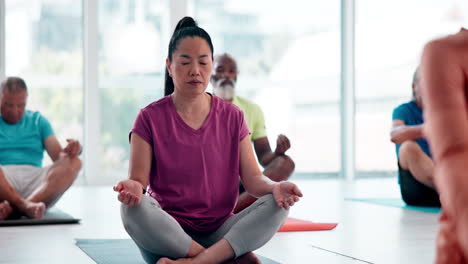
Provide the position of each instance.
(286, 194)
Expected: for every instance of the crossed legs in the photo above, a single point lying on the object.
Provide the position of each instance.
(58, 179)
(236, 238)
(11, 199)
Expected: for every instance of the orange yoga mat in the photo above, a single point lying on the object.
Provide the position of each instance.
(293, 224)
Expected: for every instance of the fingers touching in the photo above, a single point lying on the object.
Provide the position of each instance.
(73, 148)
(282, 144)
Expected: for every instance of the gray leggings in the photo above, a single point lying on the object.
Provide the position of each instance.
(158, 234)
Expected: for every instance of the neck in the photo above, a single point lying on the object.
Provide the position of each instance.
(185, 104)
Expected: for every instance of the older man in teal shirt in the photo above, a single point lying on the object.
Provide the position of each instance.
(25, 186)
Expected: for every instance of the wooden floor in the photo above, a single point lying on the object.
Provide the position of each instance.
(366, 233)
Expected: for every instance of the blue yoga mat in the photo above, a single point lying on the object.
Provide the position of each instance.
(396, 202)
(122, 251)
(51, 217)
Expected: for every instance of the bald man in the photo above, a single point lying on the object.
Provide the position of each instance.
(277, 165)
(444, 72)
(26, 187)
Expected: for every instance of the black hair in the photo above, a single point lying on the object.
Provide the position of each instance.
(187, 27)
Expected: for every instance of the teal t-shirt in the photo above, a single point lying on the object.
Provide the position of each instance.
(23, 143)
(411, 115)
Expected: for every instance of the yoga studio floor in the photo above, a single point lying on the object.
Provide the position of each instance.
(366, 233)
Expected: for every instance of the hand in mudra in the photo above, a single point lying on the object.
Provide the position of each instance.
(130, 192)
(282, 144)
(286, 194)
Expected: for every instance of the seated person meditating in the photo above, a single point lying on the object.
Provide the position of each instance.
(190, 148)
(27, 188)
(278, 166)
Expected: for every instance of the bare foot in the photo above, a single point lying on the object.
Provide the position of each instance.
(32, 209)
(5, 210)
(248, 258)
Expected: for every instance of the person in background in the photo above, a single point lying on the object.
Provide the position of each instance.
(26, 187)
(415, 165)
(277, 165)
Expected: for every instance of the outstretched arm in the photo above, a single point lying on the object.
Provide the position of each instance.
(257, 184)
(131, 190)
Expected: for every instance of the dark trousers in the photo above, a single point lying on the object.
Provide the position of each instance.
(414, 192)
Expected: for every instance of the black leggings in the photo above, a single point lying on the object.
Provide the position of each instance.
(414, 192)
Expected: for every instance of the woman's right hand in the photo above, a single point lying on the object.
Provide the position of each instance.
(130, 192)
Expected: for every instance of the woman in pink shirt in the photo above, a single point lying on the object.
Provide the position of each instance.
(444, 71)
(190, 148)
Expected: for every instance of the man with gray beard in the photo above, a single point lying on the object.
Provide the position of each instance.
(277, 165)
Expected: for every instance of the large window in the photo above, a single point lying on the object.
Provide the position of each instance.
(132, 52)
(289, 63)
(390, 36)
(288, 56)
(44, 46)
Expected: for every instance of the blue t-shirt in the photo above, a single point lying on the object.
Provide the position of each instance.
(411, 115)
(23, 143)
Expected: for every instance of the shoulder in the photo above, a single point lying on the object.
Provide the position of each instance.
(248, 105)
(245, 101)
(406, 105)
(446, 46)
(227, 113)
(404, 108)
(156, 106)
(224, 107)
(159, 104)
(34, 116)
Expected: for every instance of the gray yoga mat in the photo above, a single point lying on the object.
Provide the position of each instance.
(122, 251)
(51, 217)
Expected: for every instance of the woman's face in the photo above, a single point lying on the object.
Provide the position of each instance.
(191, 66)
